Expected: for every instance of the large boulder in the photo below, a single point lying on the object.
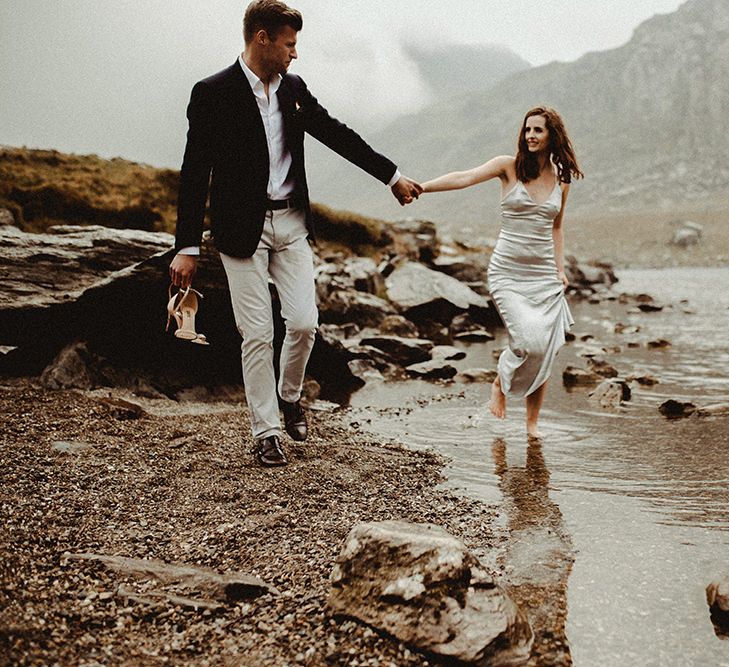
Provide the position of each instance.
(357, 273)
(420, 584)
(107, 289)
(421, 293)
(415, 239)
(350, 305)
(467, 271)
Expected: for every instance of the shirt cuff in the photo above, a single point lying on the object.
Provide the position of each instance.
(189, 250)
(395, 178)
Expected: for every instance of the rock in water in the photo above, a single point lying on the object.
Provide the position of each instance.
(686, 237)
(714, 410)
(601, 367)
(611, 393)
(717, 597)
(435, 369)
(676, 409)
(420, 584)
(476, 375)
(572, 376)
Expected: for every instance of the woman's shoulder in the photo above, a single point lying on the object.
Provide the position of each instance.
(506, 163)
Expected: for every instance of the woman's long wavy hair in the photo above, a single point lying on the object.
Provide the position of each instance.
(560, 149)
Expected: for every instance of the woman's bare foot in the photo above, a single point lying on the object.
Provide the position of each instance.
(497, 404)
(533, 433)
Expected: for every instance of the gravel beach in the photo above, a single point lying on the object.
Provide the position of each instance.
(178, 483)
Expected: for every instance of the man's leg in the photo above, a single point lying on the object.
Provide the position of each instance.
(251, 300)
(292, 270)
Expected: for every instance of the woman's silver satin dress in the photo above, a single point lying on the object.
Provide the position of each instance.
(527, 291)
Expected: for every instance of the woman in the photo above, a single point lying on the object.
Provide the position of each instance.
(526, 273)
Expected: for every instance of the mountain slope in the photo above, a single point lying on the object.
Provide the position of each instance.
(646, 120)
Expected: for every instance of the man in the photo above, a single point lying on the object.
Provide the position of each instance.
(245, 144)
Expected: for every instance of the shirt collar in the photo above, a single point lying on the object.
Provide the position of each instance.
(255, 81)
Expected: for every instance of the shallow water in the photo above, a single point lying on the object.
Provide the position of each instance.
(626, 510)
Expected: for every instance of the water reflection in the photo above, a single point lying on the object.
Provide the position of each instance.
(538, 558)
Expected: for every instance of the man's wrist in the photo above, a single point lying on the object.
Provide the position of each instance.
(192, 250)
(395, 178)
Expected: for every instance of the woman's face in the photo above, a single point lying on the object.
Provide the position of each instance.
(536, 134)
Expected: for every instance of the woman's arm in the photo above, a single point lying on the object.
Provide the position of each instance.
(558, 238)
(458, 180)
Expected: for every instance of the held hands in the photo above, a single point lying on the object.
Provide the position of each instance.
(182, 270)
(406, 190)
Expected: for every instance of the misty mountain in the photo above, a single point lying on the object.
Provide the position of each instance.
(645, 119)
(449, 70)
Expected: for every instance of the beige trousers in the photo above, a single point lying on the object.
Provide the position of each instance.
(284, 257)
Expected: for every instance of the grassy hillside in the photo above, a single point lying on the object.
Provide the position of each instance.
(45, 187)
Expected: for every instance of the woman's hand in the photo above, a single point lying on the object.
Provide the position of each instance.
(565, 280)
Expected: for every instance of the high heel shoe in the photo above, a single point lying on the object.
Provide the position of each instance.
(183, 306)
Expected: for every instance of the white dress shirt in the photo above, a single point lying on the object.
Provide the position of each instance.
(281, 184)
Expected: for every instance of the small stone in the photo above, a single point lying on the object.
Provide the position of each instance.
(650, 307)
(573, 376)
(71, 446)
(6, 218)
(447, 352)
(474, 336)
(658, 343)
(397, 325)
(611, 393)
(602, 367)
(715, 410)
(673, 409)
(476, 375)
(121, 409)
(646, 380)
(435, 369)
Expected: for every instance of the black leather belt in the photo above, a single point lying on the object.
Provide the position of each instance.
(277, 204)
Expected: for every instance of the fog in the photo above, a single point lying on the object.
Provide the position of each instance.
(113, 77)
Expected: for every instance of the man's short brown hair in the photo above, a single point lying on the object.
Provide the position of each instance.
(271, 16)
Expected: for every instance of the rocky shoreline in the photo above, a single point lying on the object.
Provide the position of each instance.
(125, 442)
(178, 483)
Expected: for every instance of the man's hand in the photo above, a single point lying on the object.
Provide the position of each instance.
(182, 270)
(405, 190)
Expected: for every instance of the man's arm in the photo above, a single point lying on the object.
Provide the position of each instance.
(196, 166)
(347, 143)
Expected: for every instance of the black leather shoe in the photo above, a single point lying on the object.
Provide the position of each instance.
(269, 452)
(294, 420)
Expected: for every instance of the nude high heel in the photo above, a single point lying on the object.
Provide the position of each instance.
(183, 307)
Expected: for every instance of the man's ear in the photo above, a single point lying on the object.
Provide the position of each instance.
(261, 37)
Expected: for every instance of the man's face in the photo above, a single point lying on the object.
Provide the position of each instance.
(282, 50)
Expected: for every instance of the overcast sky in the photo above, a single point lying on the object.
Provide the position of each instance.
(113, 77)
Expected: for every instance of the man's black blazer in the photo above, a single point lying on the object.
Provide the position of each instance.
(227, 154)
